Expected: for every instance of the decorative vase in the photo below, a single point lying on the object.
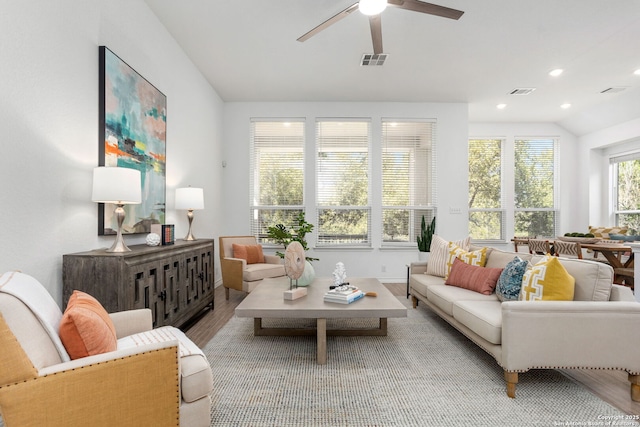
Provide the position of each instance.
(423, 256)
(308, 275)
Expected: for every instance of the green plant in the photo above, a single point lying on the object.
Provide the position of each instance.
(281, 235)
(426, 234)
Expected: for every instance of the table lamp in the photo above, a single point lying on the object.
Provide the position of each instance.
(190, 199)
(121, 186)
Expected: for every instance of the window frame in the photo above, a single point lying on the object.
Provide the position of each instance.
(320, 208)
(254, 206)
(415, 208)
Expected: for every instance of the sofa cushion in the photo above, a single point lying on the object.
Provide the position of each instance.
(86, 328)
(547, 280)
(439, 254)
(500, 259)
(421, 282)
(510, 281)
(255, 272)
(443, 296)
(593, 279)
(473, 277)
(251, 253)
(478, 257)
(482, 317)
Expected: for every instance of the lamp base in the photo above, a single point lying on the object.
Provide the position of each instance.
(119, 245)
(190, 235)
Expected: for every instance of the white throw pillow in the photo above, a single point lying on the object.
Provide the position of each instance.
(439, 254)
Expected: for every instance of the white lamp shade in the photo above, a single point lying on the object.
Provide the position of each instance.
(116, 185)
(372, 7)
(189, 198)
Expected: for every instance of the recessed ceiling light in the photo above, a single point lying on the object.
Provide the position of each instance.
(501, 106)
(556, 72)
(565, 106)
(637, 72)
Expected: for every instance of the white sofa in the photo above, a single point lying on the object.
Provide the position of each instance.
(599, 329)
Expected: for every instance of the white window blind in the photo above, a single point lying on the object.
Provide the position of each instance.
(276, 174)
(535, 187)
(487, 215)
(342, 182)
(408, 179)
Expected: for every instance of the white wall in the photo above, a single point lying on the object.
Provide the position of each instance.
(49, 126)
(452, 171)
(573, 206)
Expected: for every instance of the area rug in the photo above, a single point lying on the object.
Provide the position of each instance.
(424, 373)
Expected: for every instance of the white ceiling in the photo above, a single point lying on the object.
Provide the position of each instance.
(247, 50)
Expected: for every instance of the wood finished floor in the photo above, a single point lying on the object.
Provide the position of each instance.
(610, 386)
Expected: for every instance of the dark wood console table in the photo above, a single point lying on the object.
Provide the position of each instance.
(175, 281)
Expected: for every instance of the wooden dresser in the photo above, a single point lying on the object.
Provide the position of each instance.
(175, 281)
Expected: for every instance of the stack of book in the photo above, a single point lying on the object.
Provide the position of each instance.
(343, 295)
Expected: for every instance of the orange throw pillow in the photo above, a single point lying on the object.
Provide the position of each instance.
(86, 328)
(250, 253)
(472, 277)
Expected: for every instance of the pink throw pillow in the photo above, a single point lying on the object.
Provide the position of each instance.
(472, 277)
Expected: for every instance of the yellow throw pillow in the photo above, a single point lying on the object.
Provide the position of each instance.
(477, 258)
(547, 280)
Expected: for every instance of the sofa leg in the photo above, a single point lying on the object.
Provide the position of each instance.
(414, 301)
(512, 380)
(226, 293)
(635, 387)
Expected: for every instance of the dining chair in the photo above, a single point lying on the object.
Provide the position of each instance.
(570, 249)
(539, 246)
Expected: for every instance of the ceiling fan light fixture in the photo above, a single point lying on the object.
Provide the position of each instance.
(372, 7)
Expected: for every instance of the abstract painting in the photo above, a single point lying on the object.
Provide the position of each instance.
(133, 134)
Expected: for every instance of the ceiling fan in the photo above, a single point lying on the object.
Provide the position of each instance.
(374, 8)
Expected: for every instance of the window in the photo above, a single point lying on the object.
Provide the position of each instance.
(342, 182)
(408, 179)
(512, 187)
(486, 206)
(535, 183)
(626, 190)
(277, 177)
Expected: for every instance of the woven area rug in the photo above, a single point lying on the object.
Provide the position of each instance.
(424, 373)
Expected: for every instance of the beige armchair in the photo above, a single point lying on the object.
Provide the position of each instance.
(154, 377)
(240, 275)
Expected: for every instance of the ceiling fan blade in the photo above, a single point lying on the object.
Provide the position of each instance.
(328, 22)
(431, 9)
(376, 33)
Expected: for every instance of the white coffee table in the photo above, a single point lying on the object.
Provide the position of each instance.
(267, 301)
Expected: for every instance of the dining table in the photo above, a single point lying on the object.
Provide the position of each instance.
(613, 253)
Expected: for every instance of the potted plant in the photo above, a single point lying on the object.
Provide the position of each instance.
(424, 238)
(280, 234)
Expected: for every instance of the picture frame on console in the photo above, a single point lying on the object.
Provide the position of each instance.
(132, 134)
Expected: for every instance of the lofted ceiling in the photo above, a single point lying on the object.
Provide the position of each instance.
(248, 51)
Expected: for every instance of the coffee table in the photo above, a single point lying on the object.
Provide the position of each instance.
(267, 301)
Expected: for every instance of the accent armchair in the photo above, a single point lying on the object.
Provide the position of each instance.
(243, 274)
(154, 377)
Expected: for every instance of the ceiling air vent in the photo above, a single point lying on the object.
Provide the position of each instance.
(613, 89)
(522, 91)
(372, 59)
